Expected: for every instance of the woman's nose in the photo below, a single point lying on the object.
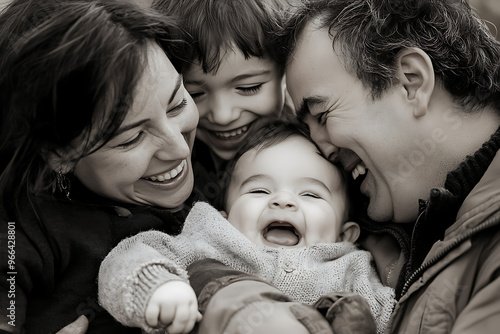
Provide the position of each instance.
(283, 200)
(173, 145)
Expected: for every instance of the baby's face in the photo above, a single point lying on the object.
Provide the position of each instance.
(242, 95)
(287, 195)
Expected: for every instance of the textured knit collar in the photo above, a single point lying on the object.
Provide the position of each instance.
(440, 210)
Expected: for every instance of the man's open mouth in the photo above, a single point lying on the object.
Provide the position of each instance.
(359, 170)
(281, 233)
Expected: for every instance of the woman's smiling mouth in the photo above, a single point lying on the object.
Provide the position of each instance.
(169, 174)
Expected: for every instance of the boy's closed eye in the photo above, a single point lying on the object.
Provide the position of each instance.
(250, 90)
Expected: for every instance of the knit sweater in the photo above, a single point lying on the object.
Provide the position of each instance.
(138, 265)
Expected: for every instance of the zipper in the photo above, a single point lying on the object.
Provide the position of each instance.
(492, 221)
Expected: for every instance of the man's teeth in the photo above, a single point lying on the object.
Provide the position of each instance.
(170, 174)
(234, 133)
(360, 169)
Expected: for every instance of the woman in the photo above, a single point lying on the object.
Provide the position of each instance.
(95, 144)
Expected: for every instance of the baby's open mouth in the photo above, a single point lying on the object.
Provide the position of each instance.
(281, 233)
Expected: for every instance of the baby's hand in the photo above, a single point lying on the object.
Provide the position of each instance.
(174, 305)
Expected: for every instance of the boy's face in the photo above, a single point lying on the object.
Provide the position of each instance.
(242, 94)
(287, 195)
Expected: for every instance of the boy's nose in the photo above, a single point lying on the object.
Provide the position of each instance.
(222, 112)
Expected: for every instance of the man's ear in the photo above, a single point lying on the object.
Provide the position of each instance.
(350, 232)
(416, 73)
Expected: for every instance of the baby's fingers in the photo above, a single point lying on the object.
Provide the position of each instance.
(152, 314)
(185, 318)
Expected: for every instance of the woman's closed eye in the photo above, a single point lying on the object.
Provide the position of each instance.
(178, 108)
(132, 142)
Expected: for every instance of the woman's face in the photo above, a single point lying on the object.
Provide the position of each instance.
(148, 162)
(242, 94)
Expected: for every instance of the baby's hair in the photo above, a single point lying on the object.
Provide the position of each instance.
(216, 27)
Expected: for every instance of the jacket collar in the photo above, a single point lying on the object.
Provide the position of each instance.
(483, 200)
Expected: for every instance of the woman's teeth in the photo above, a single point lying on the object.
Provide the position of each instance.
(170, 174)
(234, 133)
(360, 169)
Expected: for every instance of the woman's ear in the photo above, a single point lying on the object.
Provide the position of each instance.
(58, 161)
(350, 232)
(416, 73)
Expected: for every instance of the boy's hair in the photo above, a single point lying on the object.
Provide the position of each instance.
(68, 71)
(370, 33)
(267, 136)
(217, 26)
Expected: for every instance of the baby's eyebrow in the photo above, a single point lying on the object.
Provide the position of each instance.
(318, 183)
(253, 178)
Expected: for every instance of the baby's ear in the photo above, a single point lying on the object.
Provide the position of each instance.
(350, 232)
(223, 213)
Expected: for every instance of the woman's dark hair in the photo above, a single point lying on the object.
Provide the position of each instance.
(68, 73)
(217, 26)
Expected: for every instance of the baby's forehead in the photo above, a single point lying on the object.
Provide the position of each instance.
(289, 153)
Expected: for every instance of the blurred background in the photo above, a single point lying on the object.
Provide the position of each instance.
(489, 10)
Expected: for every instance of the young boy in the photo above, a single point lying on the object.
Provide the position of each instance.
(235, 78)
(287, 223)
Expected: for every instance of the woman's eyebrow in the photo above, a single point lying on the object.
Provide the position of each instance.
(176, 88)
(139, 123)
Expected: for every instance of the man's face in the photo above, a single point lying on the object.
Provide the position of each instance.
(371, 139)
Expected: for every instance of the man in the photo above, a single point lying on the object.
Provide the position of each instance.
(405, 95)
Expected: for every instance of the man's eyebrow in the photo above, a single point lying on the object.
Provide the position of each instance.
(303, 109)
(249, 75)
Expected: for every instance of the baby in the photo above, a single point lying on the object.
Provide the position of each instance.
(287, 223)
